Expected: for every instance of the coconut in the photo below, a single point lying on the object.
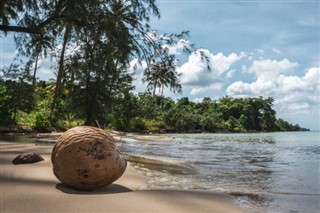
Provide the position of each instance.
(86, 158)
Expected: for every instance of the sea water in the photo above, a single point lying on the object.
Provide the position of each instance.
(265, 172)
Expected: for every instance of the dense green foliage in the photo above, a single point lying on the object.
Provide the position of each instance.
(144, 112)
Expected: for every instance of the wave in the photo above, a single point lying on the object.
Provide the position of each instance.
(162, 164)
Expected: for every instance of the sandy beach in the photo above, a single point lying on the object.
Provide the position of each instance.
(34, 188)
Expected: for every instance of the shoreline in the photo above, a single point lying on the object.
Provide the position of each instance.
(34, 188)
(23, 129)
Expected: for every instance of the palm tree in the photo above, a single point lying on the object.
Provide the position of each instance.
(60, 71)
(39, 44)
(162, 74)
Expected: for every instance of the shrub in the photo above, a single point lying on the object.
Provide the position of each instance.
(137, 124)
(70, 120)
(6, 106)
(188, 122)
(155, 126)
(41, 122)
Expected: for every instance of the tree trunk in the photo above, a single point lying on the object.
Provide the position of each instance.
(154, 91)
(60, 72)
(35, 70)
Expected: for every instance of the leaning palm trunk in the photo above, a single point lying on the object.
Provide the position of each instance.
(35, 70)
(60, 71)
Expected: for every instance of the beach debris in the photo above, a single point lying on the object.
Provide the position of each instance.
(27, 158)
(86, 158)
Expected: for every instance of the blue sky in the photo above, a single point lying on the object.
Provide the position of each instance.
(267, 48)
(256, 48)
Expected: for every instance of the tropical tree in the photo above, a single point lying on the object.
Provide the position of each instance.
(16, 91)
(162, 74)
(268, 117)
(34, 46)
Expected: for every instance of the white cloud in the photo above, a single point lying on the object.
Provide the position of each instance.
(259, 51)
(308, 83)
(230, 73)
(195, 76)
(47, 67)
(200, 90)
(221, 63)
(137, 68)
(258, 88)
(267, 74)
(178, 47)
(197, 100)
(244, 69)
(299, 107)
(276, 50)
(45, 70)
(270, 69)
(195, 71)
(198, 79)
(293, 94)
(296, 90)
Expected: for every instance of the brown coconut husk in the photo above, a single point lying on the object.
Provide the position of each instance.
(86, 158)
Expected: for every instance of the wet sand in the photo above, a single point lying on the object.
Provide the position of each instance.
(34, 188)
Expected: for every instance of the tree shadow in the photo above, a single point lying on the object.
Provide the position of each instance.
(25, 181)
(110, 189)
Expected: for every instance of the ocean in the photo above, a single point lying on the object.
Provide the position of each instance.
(265, 172)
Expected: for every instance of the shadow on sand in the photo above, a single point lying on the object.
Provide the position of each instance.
(110, 189)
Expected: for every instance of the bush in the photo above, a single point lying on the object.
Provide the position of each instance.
(155, 126)
(6, 106)
(41, 122)
(138, 125)
(188, 123)
(25, 118)
(70, 120)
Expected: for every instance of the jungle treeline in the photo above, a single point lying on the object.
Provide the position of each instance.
(146, 112)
